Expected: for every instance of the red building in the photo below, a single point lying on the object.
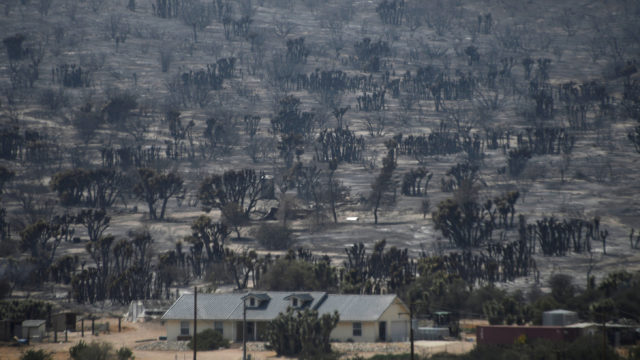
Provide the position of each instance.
(507, 335)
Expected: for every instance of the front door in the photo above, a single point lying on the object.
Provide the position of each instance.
(382, 331)
(250, 331)
(239, 331)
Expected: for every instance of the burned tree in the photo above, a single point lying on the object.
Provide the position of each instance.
(341, 145)
(98, 188)
(196, 15)
(95, 221)
(41, 239)
(153, 187)
(243, 187)
(412, 182)
(391, 12)
(211, 235)
(464, 222)
(383, 189)
(297, 52)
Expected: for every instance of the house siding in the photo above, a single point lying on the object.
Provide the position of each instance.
(395, 313)
(229, 327)
(229, 330)
(173, 327)
(344, 331)
(370, 329)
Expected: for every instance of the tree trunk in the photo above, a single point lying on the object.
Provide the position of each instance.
(375, 214)
(333, 211)
(163, 208)
(152, 211)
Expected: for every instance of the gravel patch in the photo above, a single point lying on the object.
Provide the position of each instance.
(164, 346)
(380, 348)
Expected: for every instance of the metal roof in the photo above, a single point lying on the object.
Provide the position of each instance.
(357, 307)
(210, 306)
(559, 311)
(33, 323)
(229, 306)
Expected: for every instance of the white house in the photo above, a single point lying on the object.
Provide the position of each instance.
(363, 318)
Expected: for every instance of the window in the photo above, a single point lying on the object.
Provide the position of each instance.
(295, 302)
(357, 329)
(252, 302)
(184, 328)
(219, 327)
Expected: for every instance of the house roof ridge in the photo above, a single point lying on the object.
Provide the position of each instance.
(171, 307)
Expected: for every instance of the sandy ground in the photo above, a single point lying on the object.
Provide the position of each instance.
(132, 335)
(135, 334)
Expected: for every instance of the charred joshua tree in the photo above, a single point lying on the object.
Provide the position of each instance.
(412, 182)
(341, 145)
(383, 189)
(153, 187)
(391, 12)
(244, 188)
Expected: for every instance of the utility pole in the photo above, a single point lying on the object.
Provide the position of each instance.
(244, 329)
(411, 328)
(195, 320)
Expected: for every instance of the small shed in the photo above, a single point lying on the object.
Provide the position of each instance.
(141, 310)
(64, 321)
(33, 329)
(559, 318)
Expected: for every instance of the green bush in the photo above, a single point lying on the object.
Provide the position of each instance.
(209, 339)
(302, 333)
(39, 354)
(124, 353)
(93, 351)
